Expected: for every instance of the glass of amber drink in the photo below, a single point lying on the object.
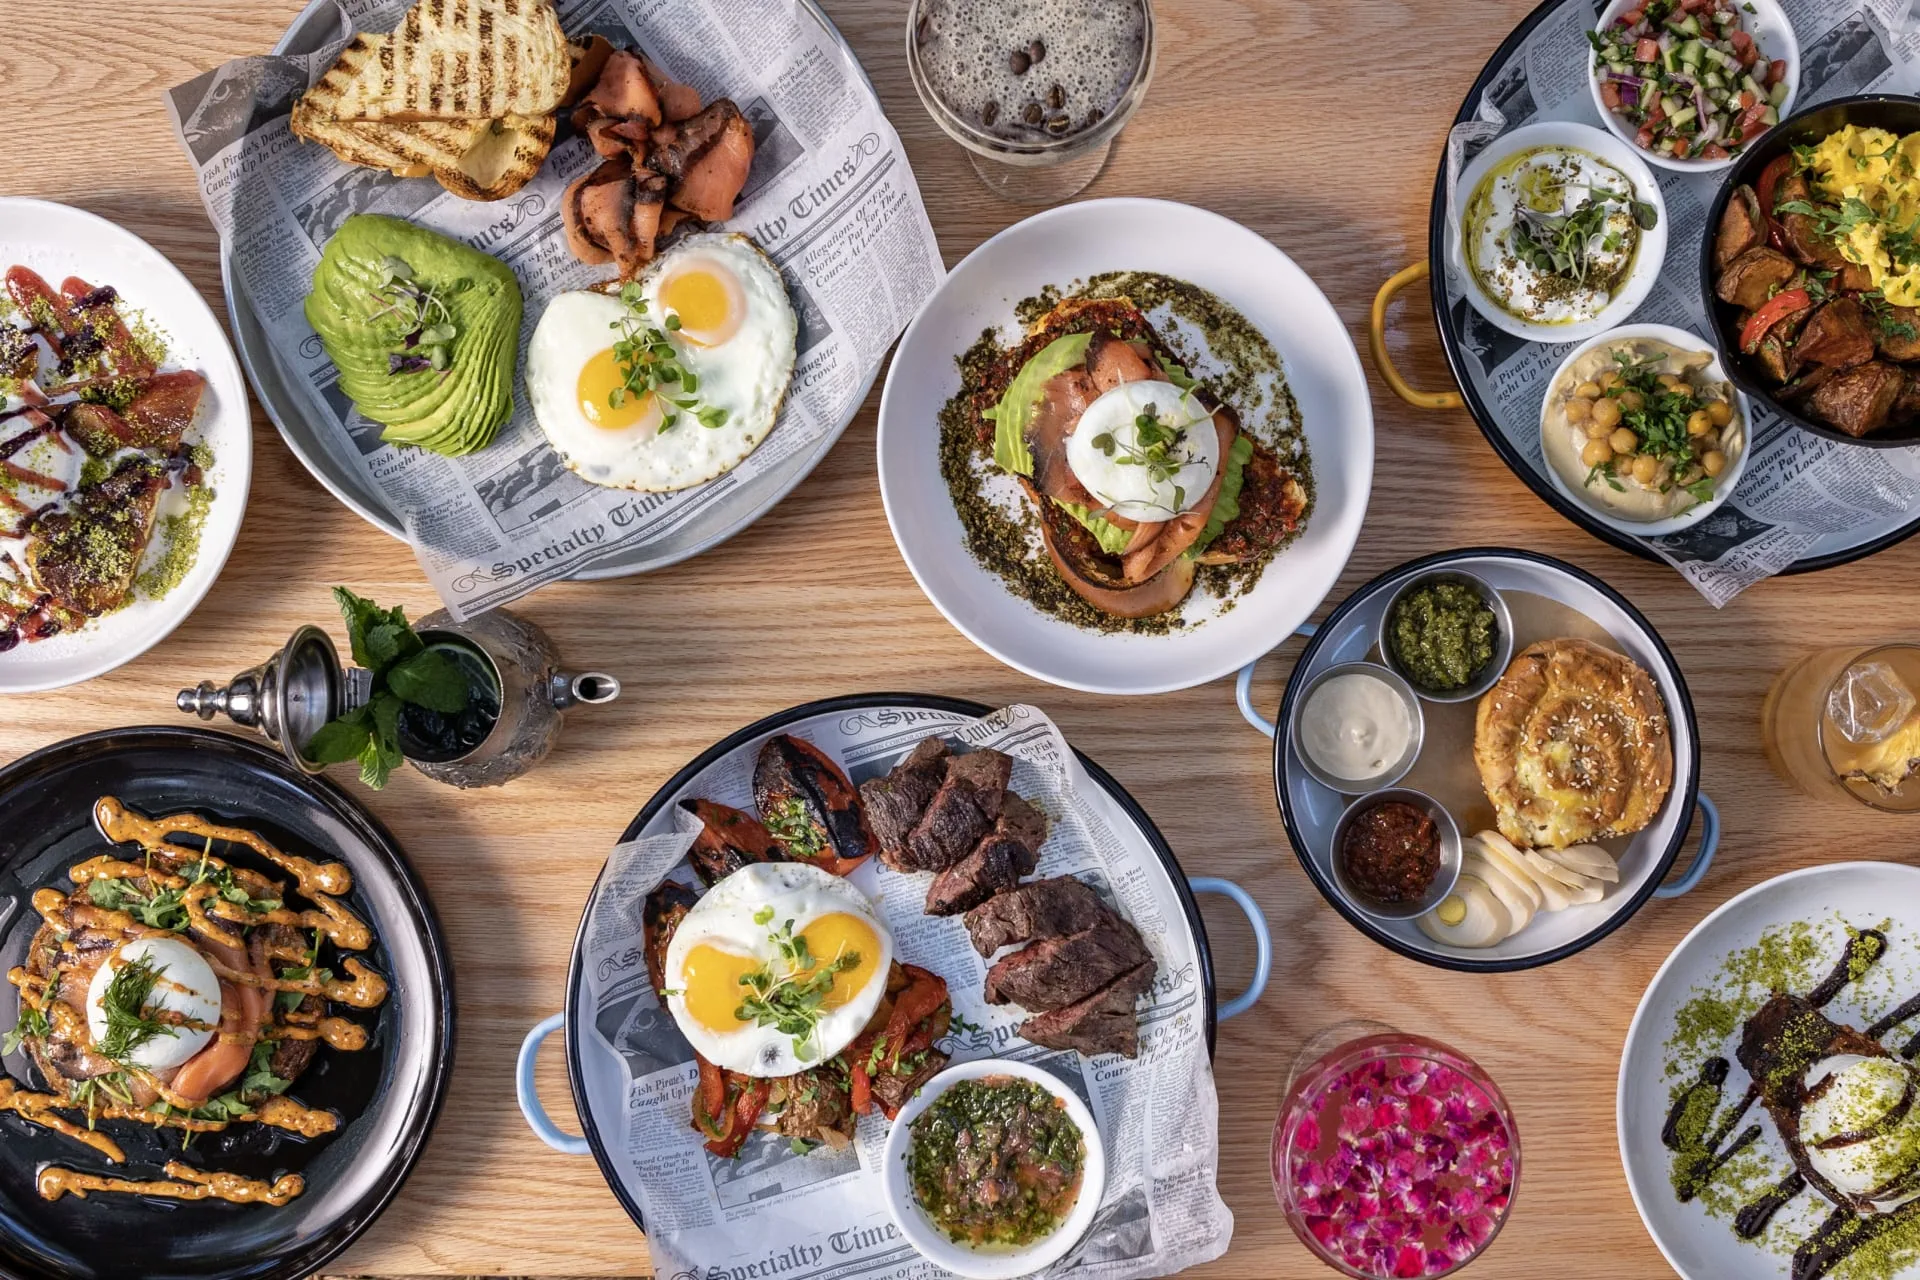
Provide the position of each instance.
(1846, 721)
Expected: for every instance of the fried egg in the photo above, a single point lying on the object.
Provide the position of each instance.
(184, 996)
(783, 923)
(1145, 479)
(721, 308)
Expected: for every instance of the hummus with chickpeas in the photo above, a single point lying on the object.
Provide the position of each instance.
(1639, 429)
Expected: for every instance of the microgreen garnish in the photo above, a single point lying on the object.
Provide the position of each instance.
(792, 1001)
(1156, 446)
(648, 365)
(789, 822)
(166, 909)
(124, 1003)
(1566, 244)
(428, 342)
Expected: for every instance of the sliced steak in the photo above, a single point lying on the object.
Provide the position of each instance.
(961, 812)
(1838, 334)
(1049, 908)
(1104, 1022)
(1751, 278)
(995, 866)
(1860, 400)
(1055, 972)
(894, 803)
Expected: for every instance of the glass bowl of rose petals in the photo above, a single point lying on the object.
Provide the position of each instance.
(1394, 1156)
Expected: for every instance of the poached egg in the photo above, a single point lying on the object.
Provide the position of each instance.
(783, 924)
(184, 994)
(1146, 450)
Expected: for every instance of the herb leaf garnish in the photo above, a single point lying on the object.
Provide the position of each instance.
(124, 1002)
(649, 365)
(793, 1001)
(404, 671)
(428, 342)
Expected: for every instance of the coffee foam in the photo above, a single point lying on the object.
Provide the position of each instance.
(1093, 50)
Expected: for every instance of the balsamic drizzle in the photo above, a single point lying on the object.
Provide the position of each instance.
(1699, 1156)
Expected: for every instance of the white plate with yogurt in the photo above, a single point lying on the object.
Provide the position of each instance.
(1529, 179)
(1792, 932)
(58, 241)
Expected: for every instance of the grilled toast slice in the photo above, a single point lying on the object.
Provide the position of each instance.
(464, 60)
(476, 159)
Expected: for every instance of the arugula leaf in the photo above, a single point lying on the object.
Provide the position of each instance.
(429, 679)
(1012, 415)
(33, 1022)
(1226, 505)
(1177, 375)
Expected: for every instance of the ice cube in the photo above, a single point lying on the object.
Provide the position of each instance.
(1869, 702)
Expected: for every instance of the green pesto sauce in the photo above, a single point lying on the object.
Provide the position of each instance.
(1442, 635)
(179, 545)
(995, 1161)
(1253, 383)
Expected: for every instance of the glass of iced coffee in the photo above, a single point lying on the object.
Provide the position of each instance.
(1035, 90)
(1846, 720)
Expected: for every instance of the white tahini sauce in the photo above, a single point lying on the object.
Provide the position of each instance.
(1355, 726)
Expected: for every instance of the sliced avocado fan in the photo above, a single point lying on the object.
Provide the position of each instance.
(371, 319)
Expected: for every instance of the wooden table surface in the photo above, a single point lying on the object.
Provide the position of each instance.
(1319, 126)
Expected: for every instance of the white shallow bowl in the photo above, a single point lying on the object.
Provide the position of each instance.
(1623, 156)
(1072, 243)
(999, 1265)
(58, 241)
(1729, 479)
(1772, 31)
(1882, 895)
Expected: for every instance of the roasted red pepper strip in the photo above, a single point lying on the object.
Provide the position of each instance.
(710, 1102)
(862, 1086)
(1770, 313)
(922, 999)
(1766, 188)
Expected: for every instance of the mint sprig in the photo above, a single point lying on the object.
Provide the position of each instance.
(404, 671)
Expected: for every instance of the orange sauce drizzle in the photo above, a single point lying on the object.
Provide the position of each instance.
(284, 1113)
(40, 1108)
(184, 1182)
(338, 1032)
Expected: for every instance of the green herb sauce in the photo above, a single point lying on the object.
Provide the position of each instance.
(1442, 635)
(996, 1161)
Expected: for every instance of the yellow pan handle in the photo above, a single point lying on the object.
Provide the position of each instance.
(1377, 343)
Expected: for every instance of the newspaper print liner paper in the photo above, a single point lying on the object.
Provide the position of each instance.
(1798, 488)
(822, 1213)
(830, 199)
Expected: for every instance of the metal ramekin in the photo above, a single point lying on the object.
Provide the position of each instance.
(1394, 772)
(1502, 640)
(1449, 855)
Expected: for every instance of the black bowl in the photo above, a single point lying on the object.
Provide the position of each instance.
(1899, 115)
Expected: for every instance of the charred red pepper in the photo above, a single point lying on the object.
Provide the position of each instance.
(1771, 312)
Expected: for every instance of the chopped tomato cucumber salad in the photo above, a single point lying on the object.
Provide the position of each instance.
(1688, 78)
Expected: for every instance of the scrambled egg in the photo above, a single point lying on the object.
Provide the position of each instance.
(1874, 178)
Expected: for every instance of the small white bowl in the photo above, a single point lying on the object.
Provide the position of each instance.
(1623, 156)
(1729, 479)
(998, 1264)
(1772, 31)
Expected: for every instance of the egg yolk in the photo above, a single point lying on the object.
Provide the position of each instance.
(599, 378)
(711, 983)
(707, 300)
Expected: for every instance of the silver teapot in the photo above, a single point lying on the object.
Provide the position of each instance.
(304, 685)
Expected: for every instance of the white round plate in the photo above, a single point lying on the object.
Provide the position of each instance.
(1623, 156)
(1075, 242)
(981, 1264)
(1882, 895)
(1729, 479)
(1772, 31)
(58, 241)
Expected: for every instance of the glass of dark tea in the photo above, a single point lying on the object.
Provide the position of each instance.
(1034, 90)
(438, 738)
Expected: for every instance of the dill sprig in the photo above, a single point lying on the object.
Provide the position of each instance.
(124, 1002)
